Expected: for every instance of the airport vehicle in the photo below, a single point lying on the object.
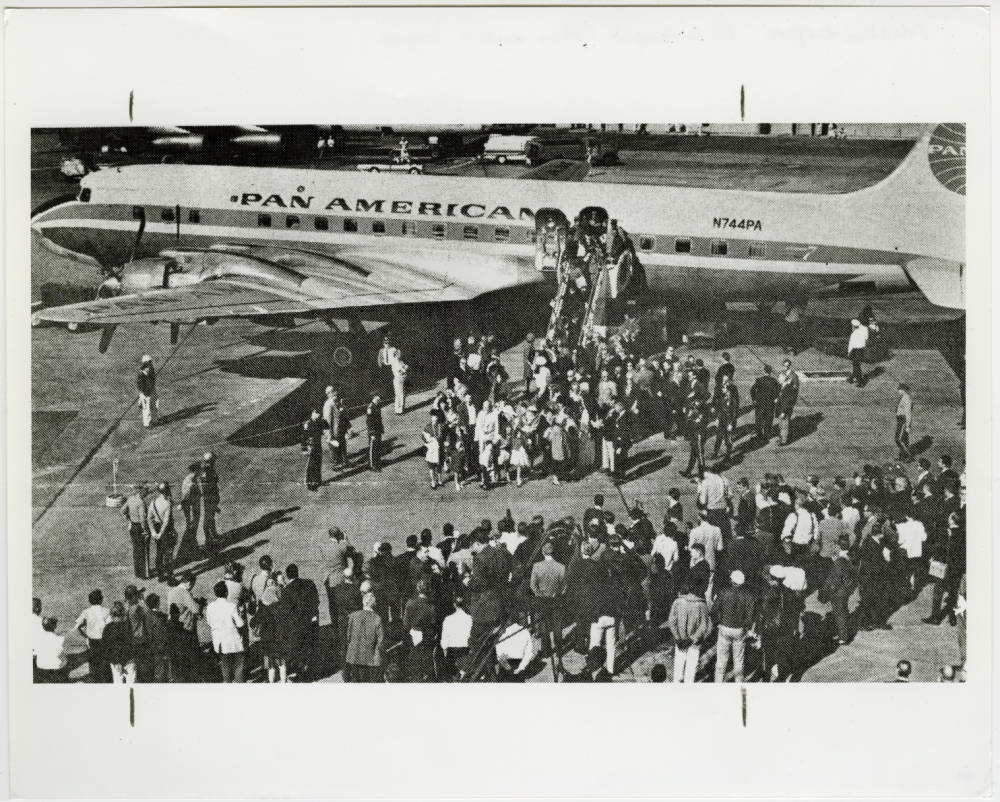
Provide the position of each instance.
(503, 148)
(580, 148)
(186, 244)
(400, 163)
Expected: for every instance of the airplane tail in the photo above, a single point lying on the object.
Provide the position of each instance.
(923, 201)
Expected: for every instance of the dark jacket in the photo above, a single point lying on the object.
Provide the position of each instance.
(588, 586)
(764, 392)
(490, 582)
(735, 607)
(298, 605)
(697, 578)
(373, 420)
(747, 555)
(117, 642)
(840, 583)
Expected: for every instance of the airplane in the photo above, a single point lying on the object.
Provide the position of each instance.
(204, 243)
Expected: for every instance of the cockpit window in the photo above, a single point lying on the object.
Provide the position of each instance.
(85, 195)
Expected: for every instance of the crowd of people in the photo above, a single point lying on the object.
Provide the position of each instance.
(504, 599)
(572, 418)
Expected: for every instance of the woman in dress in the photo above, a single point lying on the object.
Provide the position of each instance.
(519, 450)
(487, 435)
(433, 434)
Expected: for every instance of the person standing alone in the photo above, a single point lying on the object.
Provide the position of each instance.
(856, 351)
(146, 384)
(904, 419)
(373, 419)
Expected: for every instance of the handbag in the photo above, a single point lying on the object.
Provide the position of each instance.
(937, 569)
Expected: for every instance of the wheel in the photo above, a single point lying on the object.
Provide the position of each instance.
(413, 170)
(373, 169)
(342, 356)
(501, 159)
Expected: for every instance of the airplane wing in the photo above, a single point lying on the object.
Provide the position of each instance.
(259, 282)
(558, 170)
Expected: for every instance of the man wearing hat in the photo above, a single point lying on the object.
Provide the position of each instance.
(134, 510)
(856, 351)
(146, 384)
(734, 611)
(208, 488)
(160, 521)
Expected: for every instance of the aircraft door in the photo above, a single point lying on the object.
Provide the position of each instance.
(551, 228)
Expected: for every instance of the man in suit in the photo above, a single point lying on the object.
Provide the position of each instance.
(727, 370)
(839, 586)
(764, 394)
(548, 583)
(788, 396)
(208, 489)
(373, 420)
(727, 410)
(335, 557)
(364, 643)
(347, 600)
(490, 586)
(695, 421)
(299, 613)
(588, 590)
(225, 621)
(622, 427)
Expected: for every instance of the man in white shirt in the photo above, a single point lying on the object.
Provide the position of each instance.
(912, 535)
(90, 624)
(666, 547)
(225, 622)
(516, 645)
(856, 351)
(801, 526)
(455, 631)
(48, 649)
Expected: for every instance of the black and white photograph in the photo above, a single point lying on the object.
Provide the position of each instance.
(499, 403)
(374, 404)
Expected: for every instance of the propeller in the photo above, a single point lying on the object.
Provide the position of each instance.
(107, 332)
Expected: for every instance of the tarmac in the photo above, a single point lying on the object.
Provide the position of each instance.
(242, 392)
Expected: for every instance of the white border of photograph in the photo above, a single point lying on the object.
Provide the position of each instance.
(201, 66)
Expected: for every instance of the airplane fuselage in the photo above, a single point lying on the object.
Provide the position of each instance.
(693, 243)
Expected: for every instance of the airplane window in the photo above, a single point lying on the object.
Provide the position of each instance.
(350, 225)
(719, 248)
(531, 235)
(167, 215)
(137, 213)
(471, 232)
(438, 231)
(501, 234)
(85, 195)
(194, 216)
(321, 224)
(757, 249)
(378, 227)
(409, 229)
(292, 221)
(264, 220)
(682, 246)
(647, 243)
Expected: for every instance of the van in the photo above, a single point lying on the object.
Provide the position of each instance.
(503, 148)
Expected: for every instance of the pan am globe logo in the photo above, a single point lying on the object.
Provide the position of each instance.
(946, 155)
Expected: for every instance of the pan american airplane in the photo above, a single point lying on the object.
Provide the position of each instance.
(186, 244)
